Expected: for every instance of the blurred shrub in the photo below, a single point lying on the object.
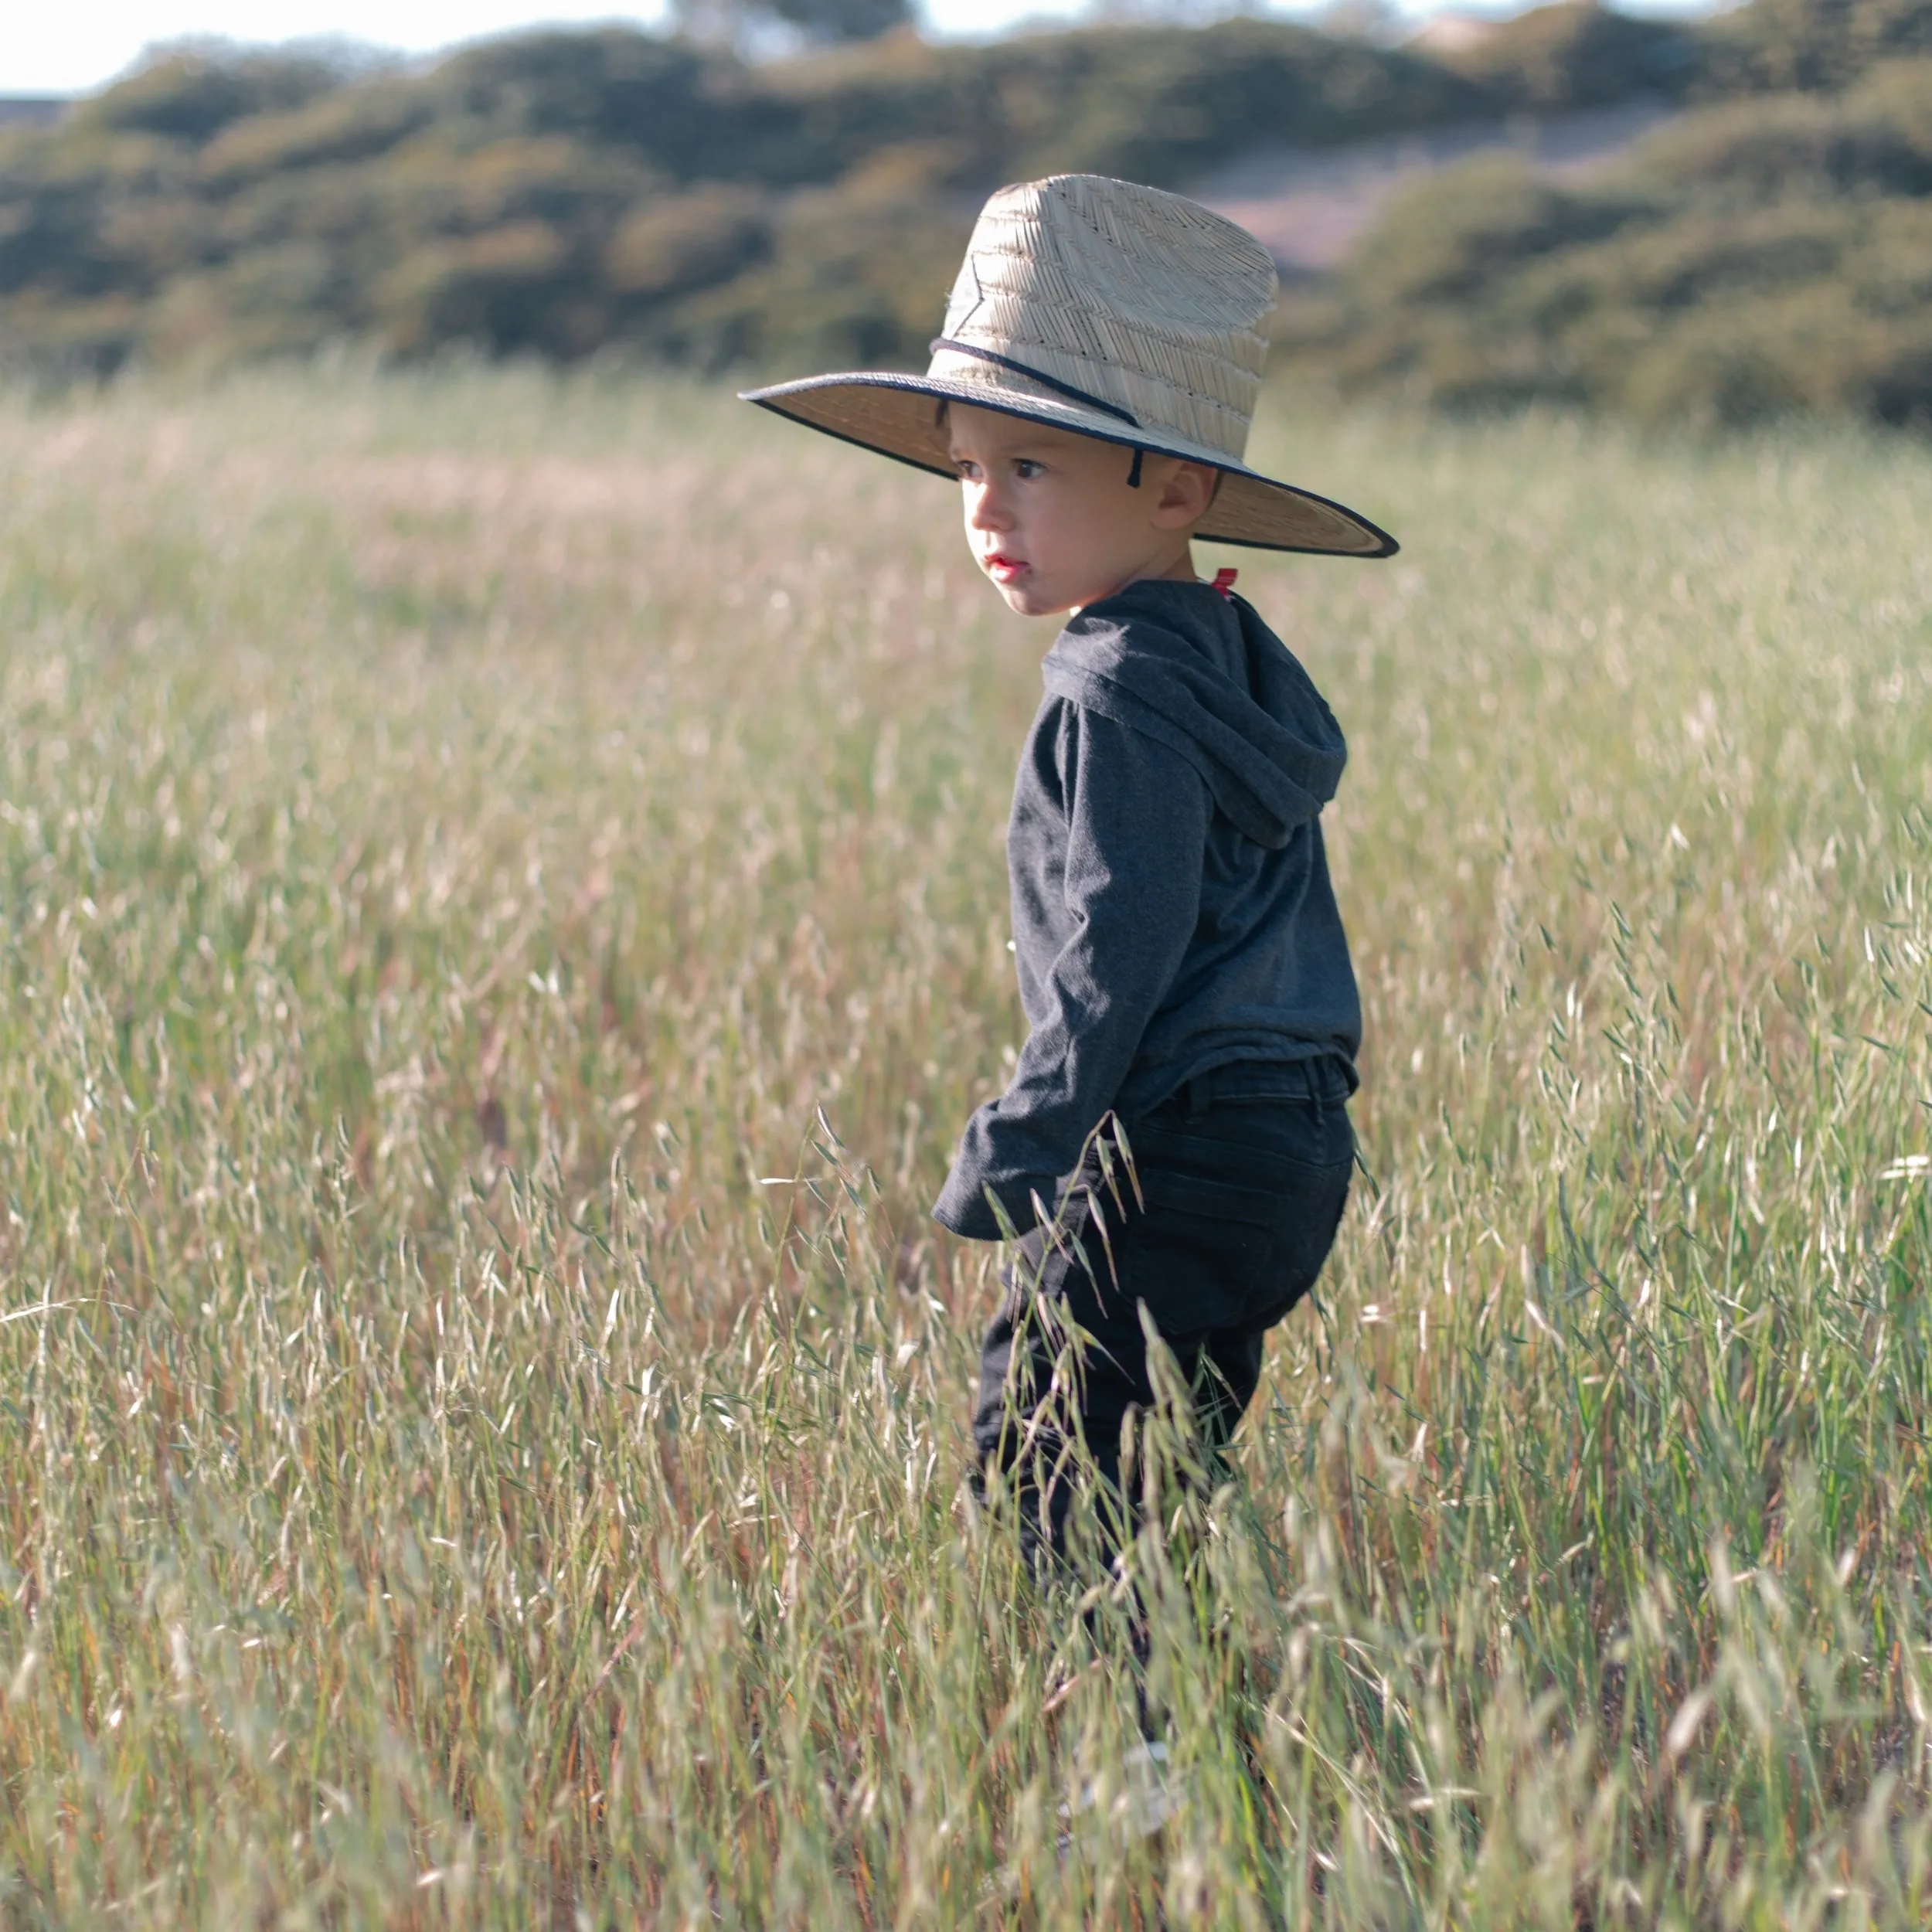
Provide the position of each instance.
(1576, 54)
(1447, 240)
(350, 124)
(562, 192)
(691, 242)
(1759, 258)
(191, 93)
(849, 280)
(505, 289)
(608, 86)
(1778, 44)
(1879, 139)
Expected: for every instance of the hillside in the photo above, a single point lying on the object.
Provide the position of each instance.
(1766, 248)
(565, 193)
(1766, 257)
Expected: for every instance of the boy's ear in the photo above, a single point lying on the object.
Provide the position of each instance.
(1186, 491)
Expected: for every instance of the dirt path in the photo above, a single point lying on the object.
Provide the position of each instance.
(1308, 206)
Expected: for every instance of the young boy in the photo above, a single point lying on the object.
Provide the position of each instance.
(1181, 962)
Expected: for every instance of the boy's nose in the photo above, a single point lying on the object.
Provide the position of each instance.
(986, 512)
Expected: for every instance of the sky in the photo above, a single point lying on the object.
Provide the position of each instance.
(66, 49)
(68, 46)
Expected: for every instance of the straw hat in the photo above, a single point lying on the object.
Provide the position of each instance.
(1116, 310)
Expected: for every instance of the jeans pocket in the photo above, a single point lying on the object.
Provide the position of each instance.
(1305, 1234)
(1207, 1255)
(1195, 1251)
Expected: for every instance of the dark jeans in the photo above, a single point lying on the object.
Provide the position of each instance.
(1242, 1178)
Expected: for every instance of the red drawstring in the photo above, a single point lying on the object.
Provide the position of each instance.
(1224, 580)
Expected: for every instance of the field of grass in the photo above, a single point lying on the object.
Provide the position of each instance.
(501, 914)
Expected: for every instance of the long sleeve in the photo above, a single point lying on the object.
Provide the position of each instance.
(1130, 816)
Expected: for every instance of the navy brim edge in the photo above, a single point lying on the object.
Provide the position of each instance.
(771, 398)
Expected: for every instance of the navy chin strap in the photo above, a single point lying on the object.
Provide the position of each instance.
(1133, 474)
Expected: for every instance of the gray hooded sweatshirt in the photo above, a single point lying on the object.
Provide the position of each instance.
(1172, 906)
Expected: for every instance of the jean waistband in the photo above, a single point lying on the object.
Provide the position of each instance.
(1326, 1079)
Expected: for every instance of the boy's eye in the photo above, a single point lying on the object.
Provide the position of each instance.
(1026, 468)
(967, 468)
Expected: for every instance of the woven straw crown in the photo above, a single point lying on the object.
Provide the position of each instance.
(1109, 309)
(1139, 299)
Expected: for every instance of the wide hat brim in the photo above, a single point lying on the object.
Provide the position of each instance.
(896, 415)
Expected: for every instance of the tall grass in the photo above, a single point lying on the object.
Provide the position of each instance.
(503, 915)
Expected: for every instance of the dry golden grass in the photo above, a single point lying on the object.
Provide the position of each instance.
(463, 840)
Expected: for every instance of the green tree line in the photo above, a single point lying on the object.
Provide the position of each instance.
(1755, 260)
(567, 193)
(1766, 255)
(564, 192)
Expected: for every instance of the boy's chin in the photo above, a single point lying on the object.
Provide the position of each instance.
(1031, 600)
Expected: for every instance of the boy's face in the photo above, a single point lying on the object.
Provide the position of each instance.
(1053, 520)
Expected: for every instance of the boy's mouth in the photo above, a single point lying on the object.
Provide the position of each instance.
(1003, 569)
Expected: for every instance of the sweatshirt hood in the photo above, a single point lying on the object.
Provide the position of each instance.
(1202, 674)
